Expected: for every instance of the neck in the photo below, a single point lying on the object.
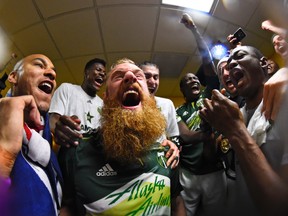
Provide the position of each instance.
(253, 101)
(88, 91)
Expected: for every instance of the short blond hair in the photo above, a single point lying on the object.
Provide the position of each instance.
(121, 61)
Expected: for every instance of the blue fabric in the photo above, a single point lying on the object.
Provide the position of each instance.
(30, 195)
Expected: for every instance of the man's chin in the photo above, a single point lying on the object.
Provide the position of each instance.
(43, 108)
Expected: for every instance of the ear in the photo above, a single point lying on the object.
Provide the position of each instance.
(13, 78)
(264, 62)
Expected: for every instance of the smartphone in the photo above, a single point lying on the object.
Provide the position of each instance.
(239, 35)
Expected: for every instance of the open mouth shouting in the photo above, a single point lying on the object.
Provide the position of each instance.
(151, 89)
(229, 83)
(99, 80)
(131, 99)
(46, 87)
(195, 87)
(236, 76)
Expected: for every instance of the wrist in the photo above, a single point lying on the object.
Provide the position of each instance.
(7, 160)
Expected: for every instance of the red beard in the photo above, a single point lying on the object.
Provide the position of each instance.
(128, 134)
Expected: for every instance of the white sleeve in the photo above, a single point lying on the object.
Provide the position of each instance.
(172, 126)
(60, 99)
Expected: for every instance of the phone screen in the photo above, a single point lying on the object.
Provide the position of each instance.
(239, 35)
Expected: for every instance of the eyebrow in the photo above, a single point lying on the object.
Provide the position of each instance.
(44, 62)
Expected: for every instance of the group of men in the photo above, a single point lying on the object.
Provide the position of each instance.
(114, 157)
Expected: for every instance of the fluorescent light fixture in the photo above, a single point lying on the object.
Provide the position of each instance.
(201, 5)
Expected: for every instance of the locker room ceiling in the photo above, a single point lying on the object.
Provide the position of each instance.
(71, 32)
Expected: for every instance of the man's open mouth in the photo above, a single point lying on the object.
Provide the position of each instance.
(195, 86)
(131, 99)
(99, 80)
(46, 87)
(229, 83)
(151, 90)
(236, 76)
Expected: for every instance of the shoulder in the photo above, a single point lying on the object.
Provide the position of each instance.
(67, 87)
(161, 101)
(181, 107)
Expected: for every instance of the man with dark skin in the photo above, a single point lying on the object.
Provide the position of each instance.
(75, 109)
(261, 147)
(201, 174)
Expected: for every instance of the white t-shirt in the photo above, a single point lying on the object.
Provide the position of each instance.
(167, 108)
(70, 99)
(275, 149)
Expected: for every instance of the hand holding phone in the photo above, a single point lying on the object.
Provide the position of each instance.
(238, 35)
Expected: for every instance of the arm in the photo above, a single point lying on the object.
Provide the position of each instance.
(209, 67)
(268, 187)
(65, 129)
(274, 91)
(269, 26)
(12, 113)
(190, 136)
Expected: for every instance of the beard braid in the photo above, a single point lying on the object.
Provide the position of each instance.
(128, 134)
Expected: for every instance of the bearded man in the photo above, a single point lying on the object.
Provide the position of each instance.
(120, 169)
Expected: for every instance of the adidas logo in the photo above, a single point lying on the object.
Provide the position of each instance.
(106, 170)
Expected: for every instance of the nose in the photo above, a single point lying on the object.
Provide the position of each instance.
(225, 72)
(50, 73)
(150, 80)
(232, 64)
(102, 74)
(130, 78)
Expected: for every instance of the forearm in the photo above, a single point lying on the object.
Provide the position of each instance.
(7, 160)
(268, 190)
(192, 137)
(202, 46)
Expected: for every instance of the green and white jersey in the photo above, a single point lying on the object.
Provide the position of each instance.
(192, 154)
(108, 188)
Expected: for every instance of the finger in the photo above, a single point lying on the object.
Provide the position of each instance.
(208, 104)
(219, 99)
(173, 160)
(203, 114)
(172, 156)
(72, 122)
(31, 110)
(223, 91)
(64, 135)
(175, 163)
(61, 139)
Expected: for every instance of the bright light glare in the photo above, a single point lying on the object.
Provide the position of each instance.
(201, 5)
(219, 51)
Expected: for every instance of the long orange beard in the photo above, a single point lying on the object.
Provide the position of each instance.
(128, 134)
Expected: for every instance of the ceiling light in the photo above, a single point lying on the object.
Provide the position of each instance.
(218, 51)
(200, 5)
